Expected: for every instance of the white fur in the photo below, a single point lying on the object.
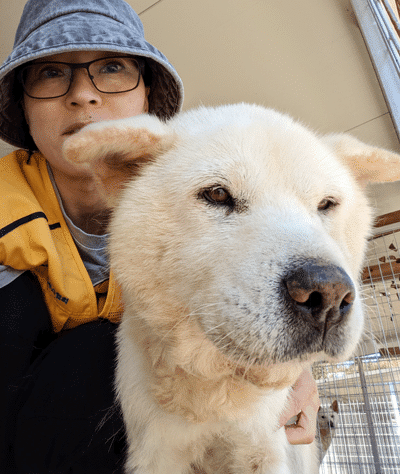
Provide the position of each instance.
(207, 349)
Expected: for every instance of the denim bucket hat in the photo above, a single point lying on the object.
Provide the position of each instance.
(57, 26)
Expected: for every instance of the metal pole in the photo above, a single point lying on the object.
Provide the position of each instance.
(368, 411)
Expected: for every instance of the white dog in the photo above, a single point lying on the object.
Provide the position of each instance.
(328, 420)
(237, 238)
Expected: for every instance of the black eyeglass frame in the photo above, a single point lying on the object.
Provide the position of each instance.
(73, 66)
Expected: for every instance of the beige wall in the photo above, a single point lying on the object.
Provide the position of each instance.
(306, 58)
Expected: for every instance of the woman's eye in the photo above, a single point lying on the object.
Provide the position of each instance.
(51, 73)
(112, 68)
(327, 204)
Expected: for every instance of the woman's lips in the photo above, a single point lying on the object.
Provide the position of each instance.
(75, 128)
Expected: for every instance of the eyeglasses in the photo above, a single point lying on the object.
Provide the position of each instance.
(48, 80)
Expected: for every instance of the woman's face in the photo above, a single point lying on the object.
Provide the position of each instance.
(51, 120)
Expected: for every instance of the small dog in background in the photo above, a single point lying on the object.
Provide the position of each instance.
(328, 418)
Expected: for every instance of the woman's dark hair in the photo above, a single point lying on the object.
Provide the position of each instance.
(145, 70)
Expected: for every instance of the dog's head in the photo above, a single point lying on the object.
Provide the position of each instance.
(327, 424)
(328, 418)
(238, 223)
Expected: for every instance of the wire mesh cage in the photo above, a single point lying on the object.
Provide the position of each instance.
(362, 435)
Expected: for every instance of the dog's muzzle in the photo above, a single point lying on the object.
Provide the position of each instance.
(320, 293)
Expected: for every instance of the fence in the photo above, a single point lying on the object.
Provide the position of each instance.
(365, 438)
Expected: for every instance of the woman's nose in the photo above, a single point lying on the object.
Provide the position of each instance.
(82, 90)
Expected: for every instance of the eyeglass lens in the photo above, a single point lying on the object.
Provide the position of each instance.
(53, 79)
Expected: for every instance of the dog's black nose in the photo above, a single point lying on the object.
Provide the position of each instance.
(320, 293)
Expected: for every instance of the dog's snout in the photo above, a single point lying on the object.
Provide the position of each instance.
(321, 294)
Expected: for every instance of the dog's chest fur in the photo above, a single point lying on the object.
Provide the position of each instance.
(224, 426)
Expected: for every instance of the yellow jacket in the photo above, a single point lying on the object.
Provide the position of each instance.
(34, 236)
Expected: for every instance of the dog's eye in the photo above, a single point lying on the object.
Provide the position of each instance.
(217, 195)
(327, 204)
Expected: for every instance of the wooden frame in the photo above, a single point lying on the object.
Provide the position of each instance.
(391, 269)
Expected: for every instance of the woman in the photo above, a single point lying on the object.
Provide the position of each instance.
(71, 65)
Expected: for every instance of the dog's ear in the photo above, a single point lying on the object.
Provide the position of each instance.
(369, 164)
(335, 406)
(116, 151)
